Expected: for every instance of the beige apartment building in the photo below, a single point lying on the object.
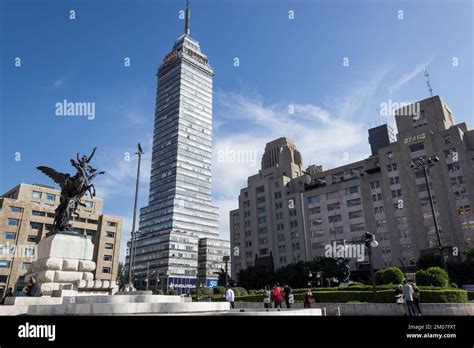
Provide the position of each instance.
(26, 216)
(287, 214)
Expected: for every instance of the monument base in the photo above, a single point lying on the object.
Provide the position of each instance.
(65, 262)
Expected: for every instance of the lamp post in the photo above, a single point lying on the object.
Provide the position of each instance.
(226, 259)
(370, 243)
(132, 243)
(425, 163)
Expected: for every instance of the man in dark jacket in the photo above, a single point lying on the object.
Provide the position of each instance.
(288, 293)
(34, 290)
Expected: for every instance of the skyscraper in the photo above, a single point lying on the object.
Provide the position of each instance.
(180, 183)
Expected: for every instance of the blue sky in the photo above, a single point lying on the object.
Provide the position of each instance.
(282, 62)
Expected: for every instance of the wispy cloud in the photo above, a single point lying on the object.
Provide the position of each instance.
(407, 77)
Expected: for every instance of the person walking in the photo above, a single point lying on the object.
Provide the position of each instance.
(416, 297)
(277, 295)
(230, 296)
(408, 295)
(288, 291)
(267, 297)
(307, 299)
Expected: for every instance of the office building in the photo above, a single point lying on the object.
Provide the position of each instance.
(26, 216)
(382, 194)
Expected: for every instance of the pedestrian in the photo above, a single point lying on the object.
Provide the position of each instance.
(9, 293)
(230, 296)
(277, 295)
(399, 298)
(34, 289)
(416, 297)
(408, 296)
(288, 291)
(307, 299)
(267, 297)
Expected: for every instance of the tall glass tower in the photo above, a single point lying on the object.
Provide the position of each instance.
(180, 184)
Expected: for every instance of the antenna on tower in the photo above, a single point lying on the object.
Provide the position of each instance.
(427, 77)
(187, 30)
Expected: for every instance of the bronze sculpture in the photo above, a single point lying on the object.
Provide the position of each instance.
(73, 188)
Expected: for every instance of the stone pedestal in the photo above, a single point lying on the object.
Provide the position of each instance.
(65, 262)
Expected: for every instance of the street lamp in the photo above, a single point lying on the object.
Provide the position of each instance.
(132, 244)
(370, 243)
(425, 163)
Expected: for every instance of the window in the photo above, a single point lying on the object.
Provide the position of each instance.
(417, 147)
(447, 139)
(402, 220)
(355, 214)
(110, 234)
(337, 230)
(332, 195)
(316, 222)
(260, 199)
(16, 209)
(352, 190)
(262, 230)
(464, 209)
(260, 210)
(396, 193)
(106, 270)
(262, 220)
(381, 223)
(316, 246)
(357, 227)
(88, 204)
(391, 167)
(395, 180)
(315, 210)
(375, 184)
(353, 202)
(37, 213)
(333, 206)
(335, 218)
(25, 265)
(109, 246)
(13, 222)
(379, 210)
(32, 238)
(317, 233)
(35, 225)
(247, 204)
(4, 264)
(111, 224)
(294, 223)
(50, 197)
(3, 278)
(107, 257)
(377, 197)
(10, 235)
(263, 241)
(452, 167)
(313, 199)
(260, 189)
(36, 194)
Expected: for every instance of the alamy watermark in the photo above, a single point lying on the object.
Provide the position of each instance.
(19, 251)
(346, 251)
(402, 109)
(237, 156)
(67, 108)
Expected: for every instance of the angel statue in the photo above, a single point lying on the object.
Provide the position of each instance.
(73, 188)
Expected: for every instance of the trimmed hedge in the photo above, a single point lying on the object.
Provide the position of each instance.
(470, 295)
(383, 296)
(434, 276)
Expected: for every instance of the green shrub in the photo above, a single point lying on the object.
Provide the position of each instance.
(433, 276)
(251, 292)
(443, 296)
(470, 295)
(390, 275)
(158, 292)
(238, 291)
(173, 292)
(206, 291)
(219, 290)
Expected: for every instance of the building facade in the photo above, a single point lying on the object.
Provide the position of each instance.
(381, 194)
(181, 178)
(26, 216)
(211, 260)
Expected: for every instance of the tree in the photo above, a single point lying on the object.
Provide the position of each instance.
(120, 275)
(433, 276)
(390, 275)
(429, 260)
